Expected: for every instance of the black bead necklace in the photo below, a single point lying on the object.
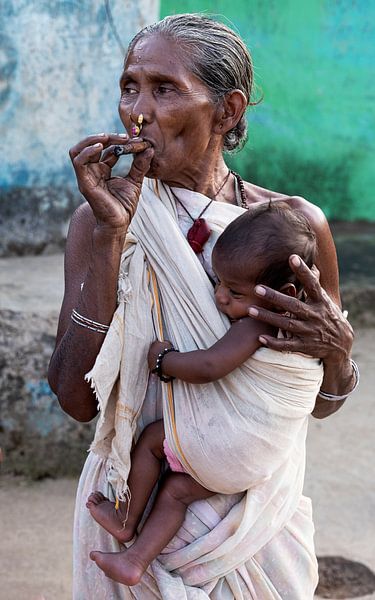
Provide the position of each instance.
(241, 187)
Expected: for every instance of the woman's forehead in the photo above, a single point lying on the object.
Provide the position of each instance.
(156, 50)
(161, 59)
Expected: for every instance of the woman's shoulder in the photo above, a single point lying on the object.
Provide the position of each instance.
(255, 194)
(326, 260)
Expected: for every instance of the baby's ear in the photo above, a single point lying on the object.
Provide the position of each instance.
(289, 289)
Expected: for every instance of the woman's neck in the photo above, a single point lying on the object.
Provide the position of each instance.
(205, 178)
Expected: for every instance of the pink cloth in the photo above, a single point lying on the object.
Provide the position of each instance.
(173, 461)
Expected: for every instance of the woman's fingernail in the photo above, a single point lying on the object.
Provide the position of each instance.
(254, 312)
(260, 290)
(262, 340)
(97, 145)
(123, 135)
(101, 134)
(296, 261)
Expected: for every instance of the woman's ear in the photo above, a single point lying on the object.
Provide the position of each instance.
(230, 111)
(289, 289)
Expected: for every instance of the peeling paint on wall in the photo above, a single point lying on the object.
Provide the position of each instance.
(59, 70)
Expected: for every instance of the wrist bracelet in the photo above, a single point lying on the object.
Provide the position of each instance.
(88, 323)
(333, 397)
(158, 365)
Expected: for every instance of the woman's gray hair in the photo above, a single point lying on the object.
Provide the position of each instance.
(216, 55)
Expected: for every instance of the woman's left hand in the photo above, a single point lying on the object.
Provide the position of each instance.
(154, 351)
(317, 326)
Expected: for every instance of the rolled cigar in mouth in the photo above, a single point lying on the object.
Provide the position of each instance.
(130, 148)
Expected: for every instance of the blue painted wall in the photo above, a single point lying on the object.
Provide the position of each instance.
(59, 70)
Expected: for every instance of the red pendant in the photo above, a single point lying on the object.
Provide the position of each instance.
(198, 235)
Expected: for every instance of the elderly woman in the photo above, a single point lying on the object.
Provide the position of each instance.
(186, 83)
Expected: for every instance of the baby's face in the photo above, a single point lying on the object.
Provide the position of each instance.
(233, 295)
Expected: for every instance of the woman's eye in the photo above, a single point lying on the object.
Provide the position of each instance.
(163, 89)
(128, 91)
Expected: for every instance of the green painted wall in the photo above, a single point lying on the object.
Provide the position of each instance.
(314, 133)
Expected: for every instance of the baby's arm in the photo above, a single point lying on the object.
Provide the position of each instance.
(202, 366)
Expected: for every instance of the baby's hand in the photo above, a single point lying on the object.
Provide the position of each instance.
(155, 349)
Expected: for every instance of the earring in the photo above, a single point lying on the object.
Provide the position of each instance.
(136, 129)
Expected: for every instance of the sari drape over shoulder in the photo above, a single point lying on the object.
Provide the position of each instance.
(242, 436)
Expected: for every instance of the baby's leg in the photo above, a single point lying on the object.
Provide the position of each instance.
(145, 470)
(167, 515)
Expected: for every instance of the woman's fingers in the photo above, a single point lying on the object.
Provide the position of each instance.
(315, 271)
(140, 166)
(281, 321)
(91, 140)
(106, 139)
(113, 199)
(315, 327)
(282, 303)
(315, 294)
(305, 276)
(90, 154)
(131, 147)
(108, 157)
(293, 344)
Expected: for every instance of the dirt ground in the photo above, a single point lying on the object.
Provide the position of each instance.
(36, 518)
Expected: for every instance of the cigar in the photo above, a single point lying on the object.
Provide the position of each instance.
(128, 149)
(120, 150)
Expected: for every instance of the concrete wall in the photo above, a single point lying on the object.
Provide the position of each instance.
(313, 134)
(59, 68)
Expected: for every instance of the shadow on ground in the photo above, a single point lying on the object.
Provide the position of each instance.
(342, 579)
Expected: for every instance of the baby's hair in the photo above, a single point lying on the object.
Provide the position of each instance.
(265, 236)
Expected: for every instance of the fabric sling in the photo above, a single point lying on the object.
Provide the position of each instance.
(242, 437)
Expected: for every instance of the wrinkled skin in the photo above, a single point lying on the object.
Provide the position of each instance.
(180, 143)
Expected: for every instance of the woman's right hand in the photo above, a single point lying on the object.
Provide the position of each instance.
(113, 199)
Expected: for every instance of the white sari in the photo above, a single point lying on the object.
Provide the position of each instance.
(243, 436)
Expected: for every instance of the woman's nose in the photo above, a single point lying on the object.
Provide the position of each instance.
(143, 104)
(129, 113)
(140, 109)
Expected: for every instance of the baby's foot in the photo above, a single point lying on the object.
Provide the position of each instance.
(105, 513)
(119, 566)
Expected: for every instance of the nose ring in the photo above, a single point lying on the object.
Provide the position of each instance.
(137, 127)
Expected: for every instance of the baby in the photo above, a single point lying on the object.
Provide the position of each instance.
(254, 249)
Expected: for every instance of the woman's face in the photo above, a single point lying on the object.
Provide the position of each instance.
(177, 109)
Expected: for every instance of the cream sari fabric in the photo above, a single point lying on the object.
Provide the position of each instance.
(244, 432)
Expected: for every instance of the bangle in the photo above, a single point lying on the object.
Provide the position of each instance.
(158, 365)
(88, 323)
(332, 397)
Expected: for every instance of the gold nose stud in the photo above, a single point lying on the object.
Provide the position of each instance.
(136, 129)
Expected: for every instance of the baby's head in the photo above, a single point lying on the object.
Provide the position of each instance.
(255, 249)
